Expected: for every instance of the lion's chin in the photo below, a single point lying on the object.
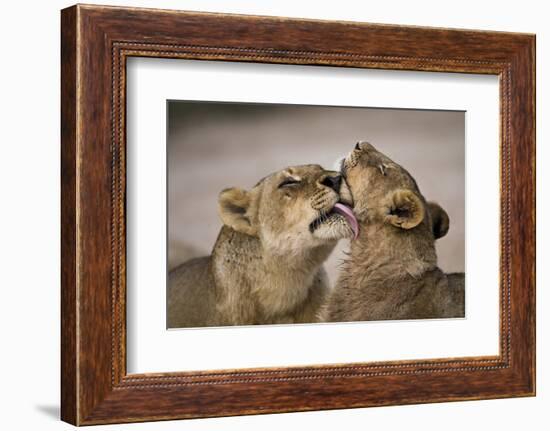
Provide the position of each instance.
(332, 227)
(339, 222)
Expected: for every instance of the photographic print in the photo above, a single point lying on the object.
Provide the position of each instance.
(292, 214)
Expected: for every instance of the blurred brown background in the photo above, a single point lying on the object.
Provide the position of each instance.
(212, 146)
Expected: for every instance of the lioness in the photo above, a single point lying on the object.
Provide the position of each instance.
(392, 270)
(266, 266)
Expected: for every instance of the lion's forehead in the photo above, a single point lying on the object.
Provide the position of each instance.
(300, 172)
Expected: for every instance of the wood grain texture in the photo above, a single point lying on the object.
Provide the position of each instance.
(68, 218)
(96, 41)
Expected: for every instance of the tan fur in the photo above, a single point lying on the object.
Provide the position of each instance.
(392, 270)
(266, 265)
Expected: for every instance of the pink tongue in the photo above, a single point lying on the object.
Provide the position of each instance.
(347, 212)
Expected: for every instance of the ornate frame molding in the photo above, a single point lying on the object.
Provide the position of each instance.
(96, 41)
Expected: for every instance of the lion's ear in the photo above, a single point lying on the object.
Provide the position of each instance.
(440, 220)
(405, 209)
(233, 207)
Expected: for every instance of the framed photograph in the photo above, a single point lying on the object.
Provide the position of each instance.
(264, 214)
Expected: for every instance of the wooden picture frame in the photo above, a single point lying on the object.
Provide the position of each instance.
(95, 43)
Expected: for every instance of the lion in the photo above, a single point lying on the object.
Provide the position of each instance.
(266, 265)
(391, 272)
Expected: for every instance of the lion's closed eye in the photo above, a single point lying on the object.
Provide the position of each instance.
(289, 182)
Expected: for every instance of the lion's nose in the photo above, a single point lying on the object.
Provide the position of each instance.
(332, 181)
(364, 146)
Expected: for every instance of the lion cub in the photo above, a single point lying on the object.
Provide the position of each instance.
(392, 270)
(266, 266)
